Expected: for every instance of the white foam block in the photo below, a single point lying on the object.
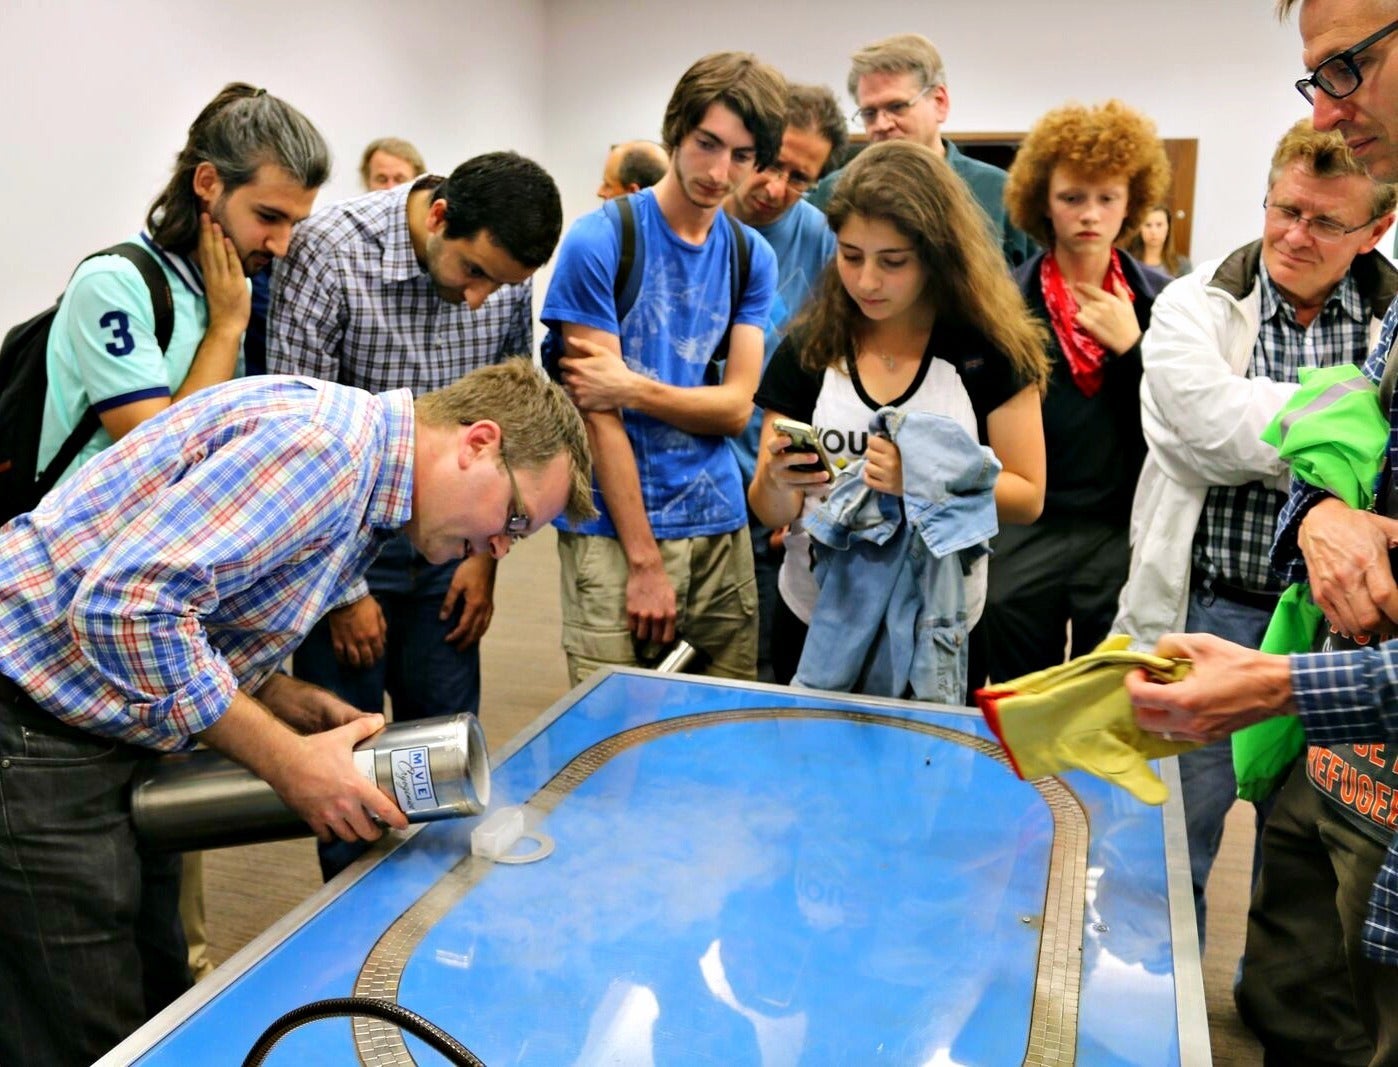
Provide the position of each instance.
(497, 833)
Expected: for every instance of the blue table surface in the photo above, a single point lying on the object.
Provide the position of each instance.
(747, 883)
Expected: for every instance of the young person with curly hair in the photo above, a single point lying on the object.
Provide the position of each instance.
(1083, 174)
(916, 313)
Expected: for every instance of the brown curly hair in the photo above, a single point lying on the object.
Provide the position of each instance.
(1107, 141)
(914, 190)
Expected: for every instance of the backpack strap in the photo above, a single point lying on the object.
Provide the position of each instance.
(739, 268)
(163, 305)
(627, 284)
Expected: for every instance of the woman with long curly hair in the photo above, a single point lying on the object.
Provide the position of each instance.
(1082, 176)
(918, 313)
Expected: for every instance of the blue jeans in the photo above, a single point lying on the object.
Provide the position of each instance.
(1207, 784)
(425, 676)
(93, 945)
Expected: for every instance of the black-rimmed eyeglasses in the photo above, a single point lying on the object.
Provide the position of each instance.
(1339, 75)
(518, 522)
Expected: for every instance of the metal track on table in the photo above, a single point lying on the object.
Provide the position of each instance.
(1053, 1022)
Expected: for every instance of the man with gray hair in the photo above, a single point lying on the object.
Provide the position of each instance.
(1223, 354)
(900, 86)
(630, 167)
(1320, 972)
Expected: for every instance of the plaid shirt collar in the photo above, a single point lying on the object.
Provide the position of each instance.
(400, 263)
(1344, 298)
(391, 502)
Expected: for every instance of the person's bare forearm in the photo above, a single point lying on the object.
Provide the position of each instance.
(718, 410)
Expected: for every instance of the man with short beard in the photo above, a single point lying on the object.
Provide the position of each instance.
(670, 552)
(771, 201)
(412, 287)
(248, 172)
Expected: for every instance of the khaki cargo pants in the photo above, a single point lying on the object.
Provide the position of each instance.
(715, 601)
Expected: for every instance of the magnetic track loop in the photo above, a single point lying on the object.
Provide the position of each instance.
(1053, 1021)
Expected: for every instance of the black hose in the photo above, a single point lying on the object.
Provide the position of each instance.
(387, 1010)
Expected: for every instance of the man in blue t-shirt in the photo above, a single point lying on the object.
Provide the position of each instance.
(670, 554)
(770, 201)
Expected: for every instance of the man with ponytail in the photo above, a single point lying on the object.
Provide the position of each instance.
(247, 173)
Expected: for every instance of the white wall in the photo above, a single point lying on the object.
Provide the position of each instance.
(98, 97)
(1218, 70)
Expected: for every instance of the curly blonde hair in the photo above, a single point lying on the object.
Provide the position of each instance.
(913, 189)
(1110, 140)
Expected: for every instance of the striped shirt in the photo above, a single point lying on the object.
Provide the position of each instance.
(191, 557)
(1350, 696)
(1234, 537)
(351, 304)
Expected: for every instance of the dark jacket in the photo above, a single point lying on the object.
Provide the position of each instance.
(1094, 444)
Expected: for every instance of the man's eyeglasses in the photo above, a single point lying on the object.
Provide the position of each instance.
(518, 522)
(895, 111)
(1339, 75)
(1321, 228)
(795, 179)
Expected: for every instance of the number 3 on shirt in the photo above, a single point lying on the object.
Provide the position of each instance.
(122, 343)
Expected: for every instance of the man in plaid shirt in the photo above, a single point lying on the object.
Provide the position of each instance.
(147, 603)
(1220, 359)
(413, 287)
(1348, 697)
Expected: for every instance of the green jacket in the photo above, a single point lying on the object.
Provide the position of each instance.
(1333, 433)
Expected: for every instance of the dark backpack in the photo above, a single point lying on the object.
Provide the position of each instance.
(24, 383)
(627, 283)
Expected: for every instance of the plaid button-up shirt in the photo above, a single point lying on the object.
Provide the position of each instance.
(1234, 536)
(351, 304)
(1351, 696)
(192, 556)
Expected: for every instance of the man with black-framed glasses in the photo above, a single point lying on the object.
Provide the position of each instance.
(1319, 981)
(1224, 352)
(900, 86)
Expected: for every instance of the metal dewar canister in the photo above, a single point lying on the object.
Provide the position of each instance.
(432, 768)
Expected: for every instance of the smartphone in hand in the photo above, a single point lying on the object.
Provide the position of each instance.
(804, 439)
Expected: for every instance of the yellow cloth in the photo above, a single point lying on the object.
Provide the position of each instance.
(1077, 716)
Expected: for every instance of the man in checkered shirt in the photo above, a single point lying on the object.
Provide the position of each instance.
(1343, 698)
(1221, 358)
(148, 603)
(413, 287)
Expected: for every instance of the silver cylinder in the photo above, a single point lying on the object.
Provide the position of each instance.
(431, 768)
(680, 656)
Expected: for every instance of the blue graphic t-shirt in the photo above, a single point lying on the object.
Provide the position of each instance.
(803, 244)
(689, 482)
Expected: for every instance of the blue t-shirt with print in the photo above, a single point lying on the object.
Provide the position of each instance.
(689, 482)
(803, 244)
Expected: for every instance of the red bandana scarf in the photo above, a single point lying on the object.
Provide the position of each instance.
(1084, 352)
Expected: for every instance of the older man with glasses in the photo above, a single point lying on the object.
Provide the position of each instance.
(1319, 980)
(900, 85)
(1222, 356)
